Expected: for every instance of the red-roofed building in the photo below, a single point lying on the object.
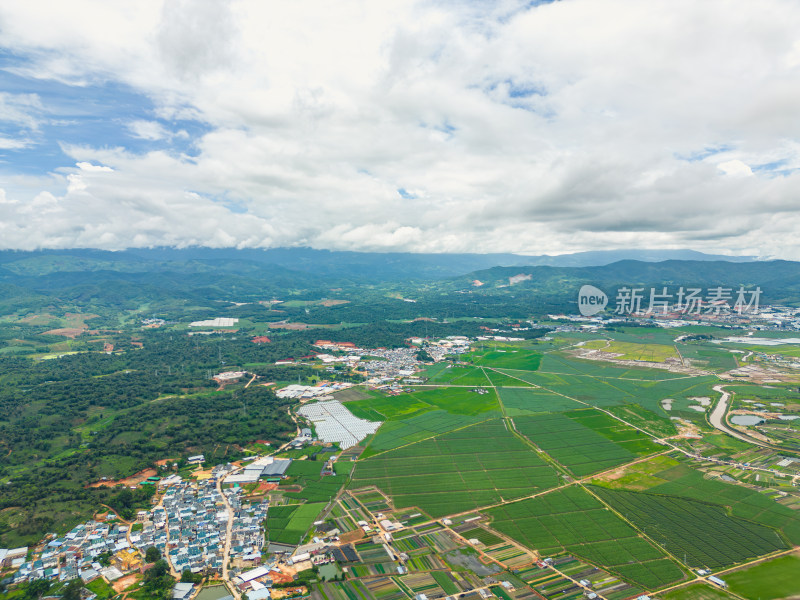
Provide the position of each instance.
(261, 339)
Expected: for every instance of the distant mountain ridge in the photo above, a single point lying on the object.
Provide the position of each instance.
(331, 265)
(779, 279)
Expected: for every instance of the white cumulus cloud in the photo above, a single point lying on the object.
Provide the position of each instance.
(565, 126)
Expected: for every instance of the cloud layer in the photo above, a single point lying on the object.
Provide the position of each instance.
(432, 126)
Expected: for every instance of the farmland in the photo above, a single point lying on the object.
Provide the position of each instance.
(522, 452)
(458, 471)
(634, 351)
(288, 524)
(777, 578)
(571, 520)
(701, 533)
(585, 441)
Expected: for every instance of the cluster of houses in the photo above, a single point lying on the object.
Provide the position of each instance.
(88, 551)
(197, 518)
(189, 528)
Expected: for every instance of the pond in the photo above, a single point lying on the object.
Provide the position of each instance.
(746, 420)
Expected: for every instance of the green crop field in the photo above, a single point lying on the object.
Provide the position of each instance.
(639, 477)
(633, 351)
(457, 375)
(483, 536)
(288, 524)
(777, 578)
(567, 365)
(509, 357)
(685, 481)
(585, 441)
(571, 520)
(316, 488)
(523, 401)
(395, 434)
(458, 471)
(501, 379)
(700, 533)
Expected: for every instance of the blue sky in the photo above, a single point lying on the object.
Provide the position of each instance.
(96, 114)
(537, 127)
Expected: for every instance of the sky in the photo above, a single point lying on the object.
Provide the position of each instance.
(438, 126)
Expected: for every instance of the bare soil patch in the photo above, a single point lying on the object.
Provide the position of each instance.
(128, 481)
(334, 302)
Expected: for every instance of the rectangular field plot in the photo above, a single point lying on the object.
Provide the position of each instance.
(510, 556)
(487, 538)
(457, 471)
(395, 434)
(571, 520)
(502, 380)
(384, 588)
(288, 524)
(585, 441)
(421, 583)
(508, 358)
(523, 401)
(744, 503)
(442, 541)
(701, 532)
(351, 590)
(777, 578)
(457, 375)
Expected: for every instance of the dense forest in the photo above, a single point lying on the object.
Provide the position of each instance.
(68, 422)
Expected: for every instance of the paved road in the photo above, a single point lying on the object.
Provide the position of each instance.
(717, 419)
(227, 552)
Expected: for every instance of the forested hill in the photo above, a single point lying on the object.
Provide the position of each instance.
(779, 279)
(302, 265)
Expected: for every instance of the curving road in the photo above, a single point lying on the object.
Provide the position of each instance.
(717, 419)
